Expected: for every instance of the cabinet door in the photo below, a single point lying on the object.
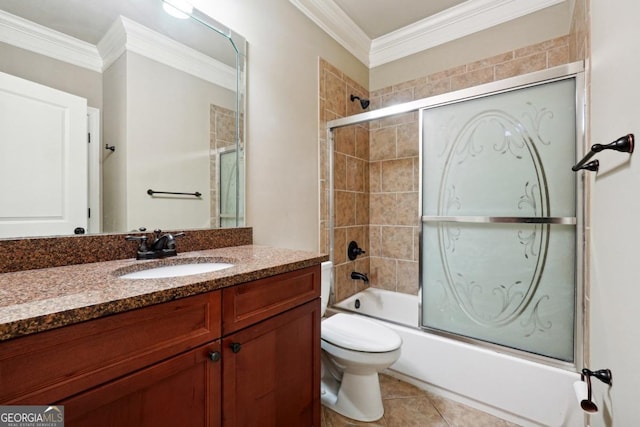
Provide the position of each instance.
(182, 391)
(271, 371)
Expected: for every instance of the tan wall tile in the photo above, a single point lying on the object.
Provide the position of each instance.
(344, 140)
(356, 174)
(375, 177)
(362, 208)
(408, 277)
(397, 243)
(335, 94)
(408, 140)
(383, 143)
(339, 171)
(407, 209)
(397, 175)
(345, 208)
(433, 88)
(399, 97)
(362, 142)
(558, 56)
(375, 241)
(340, 245)
(383, 273)
(489, 62)
(447, 73)
(382, 207)
(344, 286)
(521, 66)
(472, 78)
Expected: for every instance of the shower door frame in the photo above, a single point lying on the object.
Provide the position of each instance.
(568, 71)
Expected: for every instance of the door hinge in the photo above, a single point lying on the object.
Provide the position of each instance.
(89, 138)
(88, 212)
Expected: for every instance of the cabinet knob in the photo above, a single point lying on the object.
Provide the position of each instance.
(235, 347)
(214, 356)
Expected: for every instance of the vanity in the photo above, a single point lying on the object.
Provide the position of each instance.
(235, 347)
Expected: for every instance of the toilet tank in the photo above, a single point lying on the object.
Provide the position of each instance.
(325, 279)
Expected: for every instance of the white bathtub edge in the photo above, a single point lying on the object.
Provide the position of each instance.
(514, 389)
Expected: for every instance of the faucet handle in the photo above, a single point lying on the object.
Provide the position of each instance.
(171, 242)
(141, 239)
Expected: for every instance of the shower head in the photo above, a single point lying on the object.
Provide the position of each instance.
(364, 103)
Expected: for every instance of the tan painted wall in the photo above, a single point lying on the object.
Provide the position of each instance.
(615, 207)
(282, 115)
(53, 73)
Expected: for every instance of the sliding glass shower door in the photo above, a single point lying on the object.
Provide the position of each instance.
(498, 255)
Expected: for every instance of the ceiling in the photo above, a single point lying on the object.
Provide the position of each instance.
(379, 17)
(90, 20)
(381, 31)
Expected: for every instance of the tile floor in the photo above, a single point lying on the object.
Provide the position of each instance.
(407, 406)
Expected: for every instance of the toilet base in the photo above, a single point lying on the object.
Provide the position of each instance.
(356, 396)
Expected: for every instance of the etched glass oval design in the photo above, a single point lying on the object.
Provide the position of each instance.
(493, 141)
(494, 169)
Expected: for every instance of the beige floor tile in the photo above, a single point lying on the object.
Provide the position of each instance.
(459, 415)
(408, 406)
(412, 412)
(391, 387)
(333, 419)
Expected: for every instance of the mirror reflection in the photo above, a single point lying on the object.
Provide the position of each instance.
(101, 102)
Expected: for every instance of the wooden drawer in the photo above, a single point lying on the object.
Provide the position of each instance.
(46, 367)
(249, 303)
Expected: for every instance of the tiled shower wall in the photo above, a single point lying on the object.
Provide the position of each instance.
(222, 134)
(383, 216)
(351, 178)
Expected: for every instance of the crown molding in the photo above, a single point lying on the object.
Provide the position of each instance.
(123, 35)
(30, 36)
(327, 15)
(451, 24)
(127, 35)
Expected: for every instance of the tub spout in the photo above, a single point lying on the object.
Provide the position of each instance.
(359, 276)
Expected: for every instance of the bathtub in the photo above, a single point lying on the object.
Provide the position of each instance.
(518, 390)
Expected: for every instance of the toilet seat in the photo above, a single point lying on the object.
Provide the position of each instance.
(359, 334)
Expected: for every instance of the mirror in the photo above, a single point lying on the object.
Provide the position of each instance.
(163, 103)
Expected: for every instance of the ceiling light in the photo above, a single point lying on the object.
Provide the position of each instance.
(180, 9)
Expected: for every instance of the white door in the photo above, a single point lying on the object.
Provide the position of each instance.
(43, 159)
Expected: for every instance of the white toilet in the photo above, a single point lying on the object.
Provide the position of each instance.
(355, 349)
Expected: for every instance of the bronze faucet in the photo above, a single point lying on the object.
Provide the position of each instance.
(163, 245)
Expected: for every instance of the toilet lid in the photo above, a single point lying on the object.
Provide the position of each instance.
(359, 334)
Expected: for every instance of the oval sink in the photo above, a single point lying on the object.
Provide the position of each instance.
(177, 270)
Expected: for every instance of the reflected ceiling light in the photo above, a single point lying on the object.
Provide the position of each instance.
(180, 9)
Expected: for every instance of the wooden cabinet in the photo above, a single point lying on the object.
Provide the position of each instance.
(50, 366)
(271, 371)
(247, 355)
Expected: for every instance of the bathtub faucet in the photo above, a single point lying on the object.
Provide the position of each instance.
(359, 276)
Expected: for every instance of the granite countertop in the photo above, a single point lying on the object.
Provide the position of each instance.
(37, 300)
